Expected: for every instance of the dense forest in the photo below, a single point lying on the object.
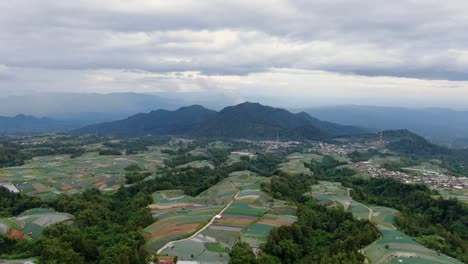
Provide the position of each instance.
(107, 228)
(437, 223)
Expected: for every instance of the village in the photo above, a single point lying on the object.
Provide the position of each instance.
(431, 178)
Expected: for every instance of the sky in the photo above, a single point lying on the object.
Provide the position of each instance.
(296, 52)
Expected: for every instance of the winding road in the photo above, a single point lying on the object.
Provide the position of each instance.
(204, 227)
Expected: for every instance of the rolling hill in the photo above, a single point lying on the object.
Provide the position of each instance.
(31, 124)
(253, 120)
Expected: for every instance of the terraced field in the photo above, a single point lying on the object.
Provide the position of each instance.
(394, 246)
(29, 225)
(250, 216)
(48, 176)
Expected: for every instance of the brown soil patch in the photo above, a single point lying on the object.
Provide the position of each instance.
(235, 221)
(172, 230)
(249, 200)
(40, 188)
(15, 234)
(66, 187)
(98, 184)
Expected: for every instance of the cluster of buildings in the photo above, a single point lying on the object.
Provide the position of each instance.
(334, 149)
(430, 178)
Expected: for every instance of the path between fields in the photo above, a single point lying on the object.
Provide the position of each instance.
(204, 227)
(371, 211)
(363, 250)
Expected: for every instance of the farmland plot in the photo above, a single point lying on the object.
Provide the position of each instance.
(250, 217)
(48, 176)
(29, 225)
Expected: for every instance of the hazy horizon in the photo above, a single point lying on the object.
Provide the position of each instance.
(62, 103)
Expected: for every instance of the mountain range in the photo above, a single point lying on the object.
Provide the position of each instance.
(246, 120)
(31, 124)
(443, 126)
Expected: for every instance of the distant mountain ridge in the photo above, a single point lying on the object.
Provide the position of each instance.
(246, 120)
(30, 124)
(439, 125)
(159, 122)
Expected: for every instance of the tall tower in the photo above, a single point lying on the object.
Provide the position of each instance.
(381, 138)
(277, 135)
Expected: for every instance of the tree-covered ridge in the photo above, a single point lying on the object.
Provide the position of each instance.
(321, 234)
(421, 216)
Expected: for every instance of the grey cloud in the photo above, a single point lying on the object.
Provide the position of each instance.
(372, 37)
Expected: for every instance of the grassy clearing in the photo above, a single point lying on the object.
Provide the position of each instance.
(214, 247)
(295, 167)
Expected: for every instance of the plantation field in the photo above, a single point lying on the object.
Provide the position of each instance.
(461, 195)
(394, 246)
(180, 215)
(48, 176)
(294, 167)
(305, 157)
(250, 216)
(198, 164)
(29, 224)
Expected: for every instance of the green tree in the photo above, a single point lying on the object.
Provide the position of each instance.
(242, 253)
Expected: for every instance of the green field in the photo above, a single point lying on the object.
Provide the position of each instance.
(461, 195)
(48, 176)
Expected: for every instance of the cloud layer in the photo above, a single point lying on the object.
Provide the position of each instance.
(351, 49)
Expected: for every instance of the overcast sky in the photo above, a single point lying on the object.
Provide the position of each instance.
(367, 51)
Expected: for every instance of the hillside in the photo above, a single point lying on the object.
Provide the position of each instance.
(159, 122)
(31, 124)
(247, 120)
(253, 120)
(441, 125)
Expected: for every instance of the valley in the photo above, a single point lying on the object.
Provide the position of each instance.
(202, 199)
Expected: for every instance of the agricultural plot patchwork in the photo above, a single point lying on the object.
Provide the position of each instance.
(29, 225)
(48, 176)
(250, 215)
(394, 246)
(180, 215)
